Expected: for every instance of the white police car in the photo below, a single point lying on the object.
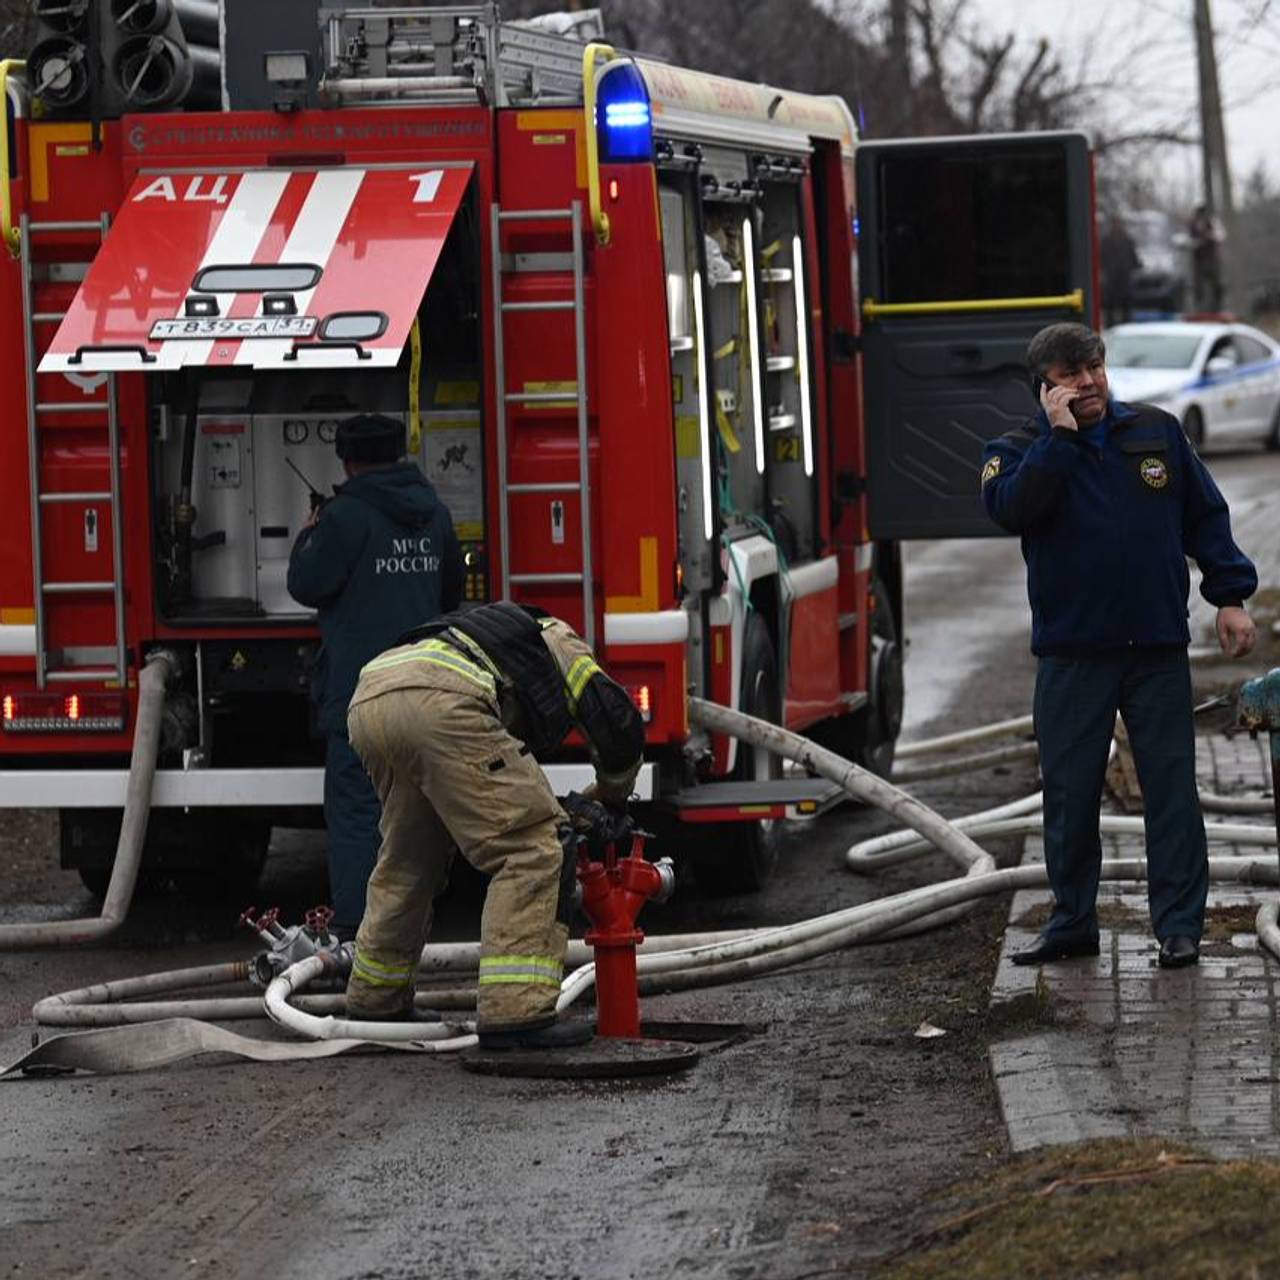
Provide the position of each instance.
(1221, 381)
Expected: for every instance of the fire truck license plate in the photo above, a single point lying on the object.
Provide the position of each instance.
(229, 327)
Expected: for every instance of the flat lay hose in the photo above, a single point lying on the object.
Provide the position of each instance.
(666, 963)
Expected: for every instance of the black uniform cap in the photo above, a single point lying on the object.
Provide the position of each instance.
(370, 437)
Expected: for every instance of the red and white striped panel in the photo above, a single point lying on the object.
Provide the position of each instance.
(375, 234)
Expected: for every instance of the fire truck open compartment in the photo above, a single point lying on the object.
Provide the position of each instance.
(240, 455)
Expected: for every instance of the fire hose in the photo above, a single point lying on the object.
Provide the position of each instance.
(158, 670)
(663, 964)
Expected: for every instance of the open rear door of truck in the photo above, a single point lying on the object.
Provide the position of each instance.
(967, 247)
(265, 268)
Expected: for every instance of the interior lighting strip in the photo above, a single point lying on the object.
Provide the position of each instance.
(704, 419)
(802, 353)
(753, 336)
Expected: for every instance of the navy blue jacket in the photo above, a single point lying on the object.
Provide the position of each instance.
(1106, 529)
(382, 558)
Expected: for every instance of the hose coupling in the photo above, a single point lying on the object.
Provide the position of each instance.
(666, 870)
(286, 946)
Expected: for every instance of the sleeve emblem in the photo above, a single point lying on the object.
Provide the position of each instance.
(992, 469)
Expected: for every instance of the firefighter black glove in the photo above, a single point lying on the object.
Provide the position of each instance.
(599, 824)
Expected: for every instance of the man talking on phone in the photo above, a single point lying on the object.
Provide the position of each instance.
(1109, 500)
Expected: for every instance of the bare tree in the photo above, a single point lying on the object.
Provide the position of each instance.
(17, 26)
(908, 67)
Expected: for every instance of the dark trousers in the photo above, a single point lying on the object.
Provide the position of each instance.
(1076, 702)
(351, 814)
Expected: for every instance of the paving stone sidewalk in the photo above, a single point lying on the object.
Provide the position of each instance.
(1191, 1054)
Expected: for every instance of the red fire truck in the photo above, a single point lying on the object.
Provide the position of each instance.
(616, 302)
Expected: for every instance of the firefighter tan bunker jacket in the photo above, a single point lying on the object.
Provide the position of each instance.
(447, 726)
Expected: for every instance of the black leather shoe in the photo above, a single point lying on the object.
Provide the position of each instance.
(551, 1035)
(1178, 951)
(1046, 949)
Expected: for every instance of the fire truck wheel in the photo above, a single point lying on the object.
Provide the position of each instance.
(231, 873)
(232, 853)
(869, 737)
(740, 857)
(883, 717)
(150, 884)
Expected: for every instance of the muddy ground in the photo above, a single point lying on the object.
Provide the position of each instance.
(828, 1139)
(814, 1144)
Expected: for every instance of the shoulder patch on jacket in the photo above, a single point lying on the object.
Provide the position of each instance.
(992, 468)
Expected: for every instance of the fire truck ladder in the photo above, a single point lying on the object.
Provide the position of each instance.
(580, 486)
(37, 410)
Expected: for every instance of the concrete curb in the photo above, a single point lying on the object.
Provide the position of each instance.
(1138, 1051)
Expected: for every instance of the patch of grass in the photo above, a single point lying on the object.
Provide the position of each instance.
(1111, 915)
(1118, 1209)
(1033, 1011)
(973, 1024)
(1222, 923)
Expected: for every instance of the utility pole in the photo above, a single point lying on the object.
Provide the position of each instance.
(899, 51)
(1213, 139)
(1208, 252)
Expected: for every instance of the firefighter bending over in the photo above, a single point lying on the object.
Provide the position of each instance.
(448, 725)
(377, 558)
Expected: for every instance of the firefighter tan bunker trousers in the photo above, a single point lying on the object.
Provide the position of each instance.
(447, 772)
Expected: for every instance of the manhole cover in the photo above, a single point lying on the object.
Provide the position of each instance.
(599, 1059)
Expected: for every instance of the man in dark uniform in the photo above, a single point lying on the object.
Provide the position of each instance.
(376, 559)
(1110, 499)
(1207, 236)
(449, 725)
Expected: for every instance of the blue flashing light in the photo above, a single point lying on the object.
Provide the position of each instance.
(624, 122)
(626, 115)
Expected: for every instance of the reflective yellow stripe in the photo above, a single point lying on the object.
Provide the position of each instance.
(539, 970)
(549, 961)
(374, 974)
(530, 979)
(463, 642)
(440, 654)
(579, 674)
(363, 957)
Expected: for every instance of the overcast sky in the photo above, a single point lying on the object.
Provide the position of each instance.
(1162, 87)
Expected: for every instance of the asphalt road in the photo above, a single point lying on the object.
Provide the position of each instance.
(820, 1143)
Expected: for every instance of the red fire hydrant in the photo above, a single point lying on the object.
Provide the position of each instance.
(613, 893)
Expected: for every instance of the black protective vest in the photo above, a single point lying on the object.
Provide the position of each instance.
(512, 639)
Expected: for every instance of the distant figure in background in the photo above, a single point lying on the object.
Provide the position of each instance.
(1207, 236)
(1119, 261)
